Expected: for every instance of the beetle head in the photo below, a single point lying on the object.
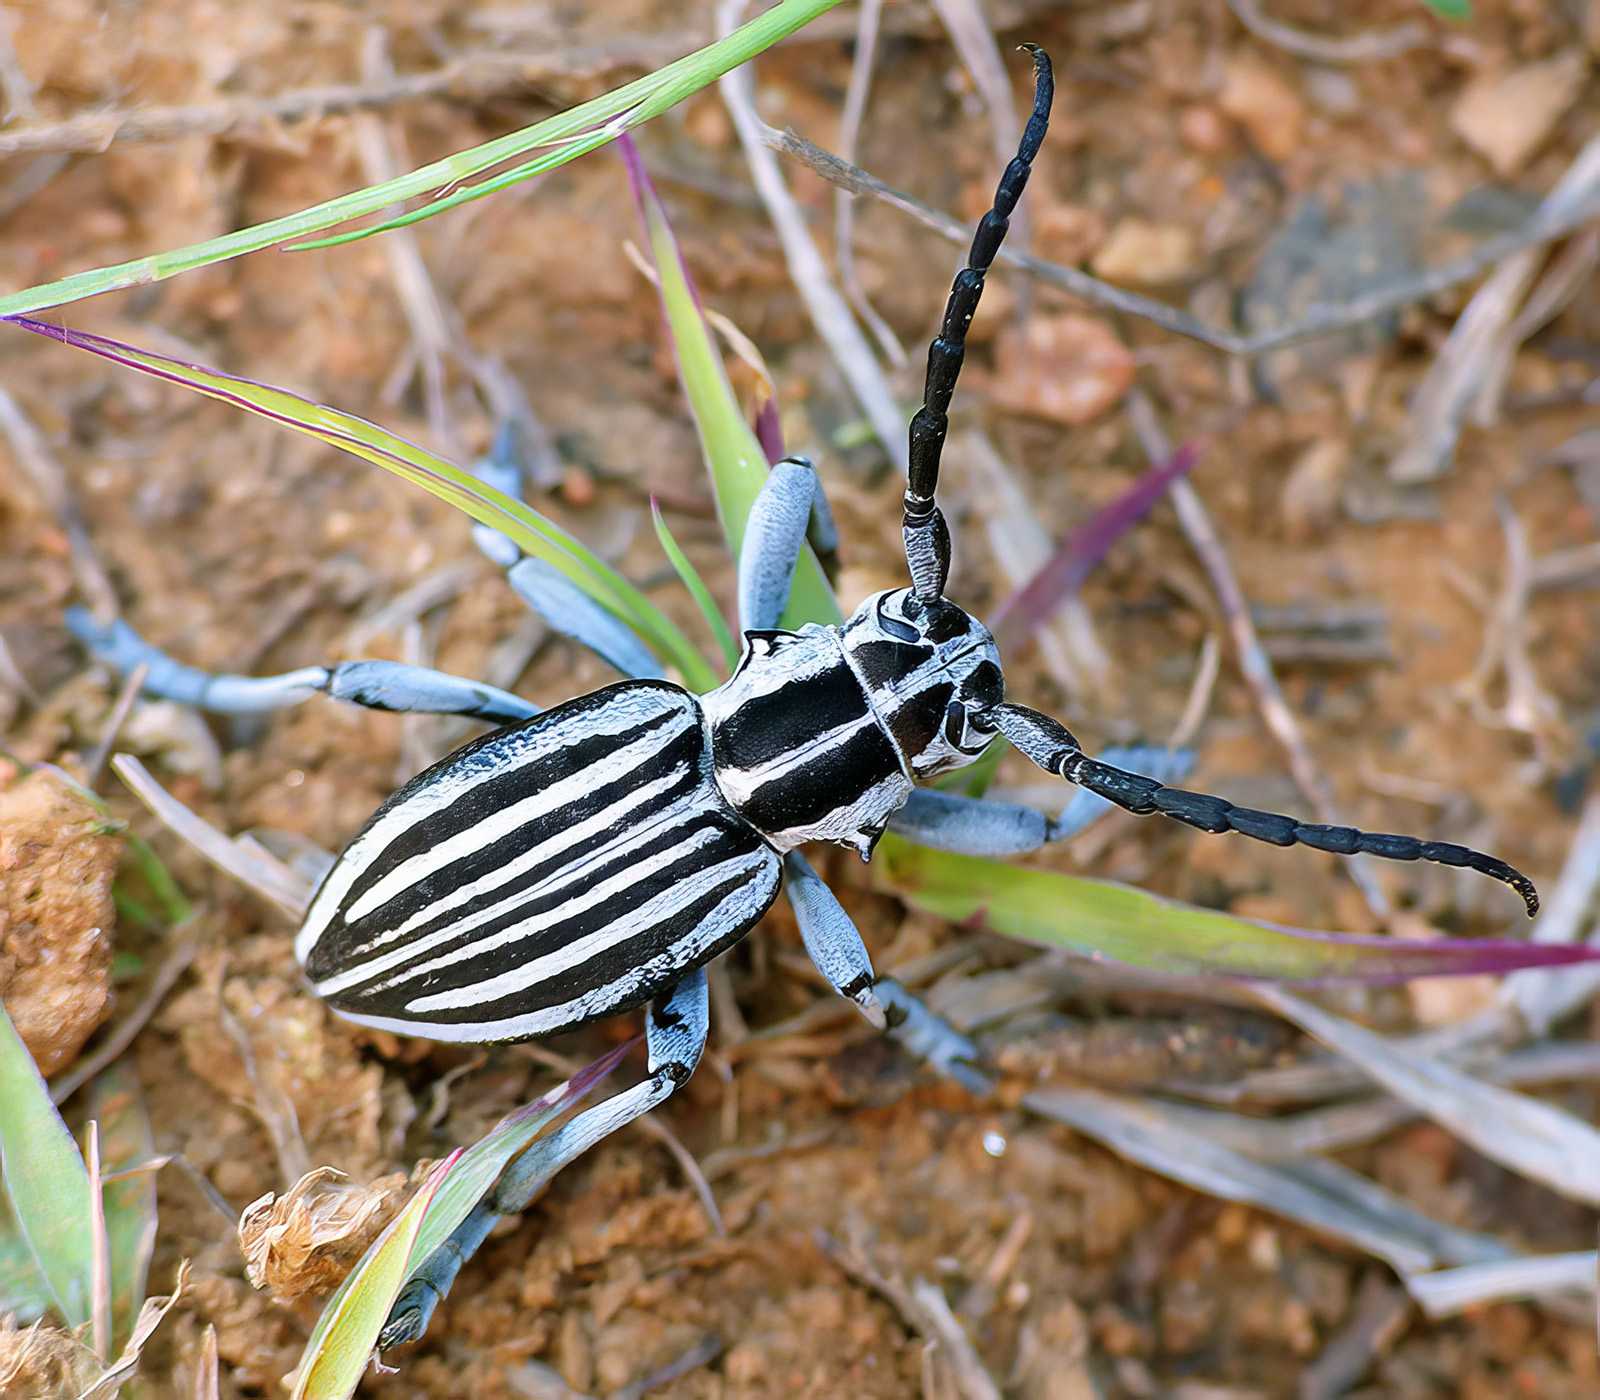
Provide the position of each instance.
(932, 673)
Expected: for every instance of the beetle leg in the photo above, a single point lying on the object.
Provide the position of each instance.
(564, 606)
(790, 509)
(378, 685)
(836, 948)
(972, 826)
(831, 938)
(675, 1034)
(573, 613)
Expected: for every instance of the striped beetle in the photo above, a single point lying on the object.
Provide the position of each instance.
(593, 858)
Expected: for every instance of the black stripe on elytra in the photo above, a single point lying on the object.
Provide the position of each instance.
(684, 754)
(764, 728)
(678, 799)
(833, 777)
(500, 787)
(726, 839)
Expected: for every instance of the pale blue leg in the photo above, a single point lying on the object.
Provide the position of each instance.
(500, 470)
(790, 508)
(377, 685)
(675, 1034)
(975, 826)
(831, 938)
(573, 613)
(544, 588)
(836, 948)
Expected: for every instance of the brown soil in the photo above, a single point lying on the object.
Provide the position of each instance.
(238, 546)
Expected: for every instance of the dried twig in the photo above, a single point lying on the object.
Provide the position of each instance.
(1253, 661)
(1553, 219)
(829, 311)
(32, 454)
(844, 205)
(471, 78)
(1370, 46)
(173, 966)
(1376, 1322)
(1468, 357)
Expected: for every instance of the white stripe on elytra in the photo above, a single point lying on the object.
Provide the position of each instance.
(402, 962)
(504, 821)
(739, 906)
(534, 856)
(663, 906)
(618, 716)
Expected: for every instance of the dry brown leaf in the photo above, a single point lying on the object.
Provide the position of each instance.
(1506, 116)
(42, 1361)
(308, 1239)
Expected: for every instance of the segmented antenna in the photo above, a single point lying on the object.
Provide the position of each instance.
(1049, 744)
(927, 537)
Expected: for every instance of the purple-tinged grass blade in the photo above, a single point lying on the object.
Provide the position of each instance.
(1100, 919)
(1019, 616)
(535, 534)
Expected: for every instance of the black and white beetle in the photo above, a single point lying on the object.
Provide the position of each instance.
(595, 857)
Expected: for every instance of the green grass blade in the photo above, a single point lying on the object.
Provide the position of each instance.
(45, 1179)
(346, 1333)
(534, 533)
(482, 1163)
(697, 589)
(23, 1292)
(733, 454)
(116, 1101)
(343, 1340)
(592, 123)
(1096, 918)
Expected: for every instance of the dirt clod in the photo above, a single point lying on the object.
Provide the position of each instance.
(56, 916)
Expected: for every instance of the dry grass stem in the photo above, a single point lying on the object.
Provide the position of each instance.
(1451, 1291)
(829, 311)
(1370, 46)
(1532, 1138)
(1467, 360)
(1254, 664)
(844, 207)
(173, 966)
(250, 865)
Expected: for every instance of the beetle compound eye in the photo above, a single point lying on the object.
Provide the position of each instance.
(985, 687)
